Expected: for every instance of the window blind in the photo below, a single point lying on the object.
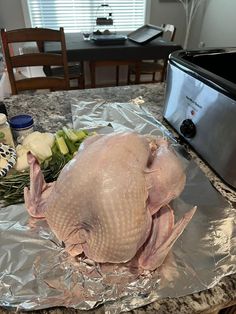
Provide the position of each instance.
(80, 15)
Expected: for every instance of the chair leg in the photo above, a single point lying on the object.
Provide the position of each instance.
(82, 77)
(117, 75)
(81, 83)
(128, 75)
(153, 76)
(92, 73)
(137, 72)
(163, 73)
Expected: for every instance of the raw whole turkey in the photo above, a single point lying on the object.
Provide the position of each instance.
(111, 201)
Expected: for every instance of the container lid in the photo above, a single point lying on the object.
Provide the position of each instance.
(3, 118)
(21, 121)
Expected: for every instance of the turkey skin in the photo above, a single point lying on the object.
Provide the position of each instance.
(111, 201)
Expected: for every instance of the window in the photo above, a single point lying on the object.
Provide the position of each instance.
(79, 15)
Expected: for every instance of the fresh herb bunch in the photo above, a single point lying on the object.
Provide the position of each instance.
(12, 186)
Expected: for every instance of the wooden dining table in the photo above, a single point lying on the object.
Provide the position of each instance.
(128, 52)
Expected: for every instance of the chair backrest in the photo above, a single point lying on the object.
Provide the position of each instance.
(13, 60)
(169, 32)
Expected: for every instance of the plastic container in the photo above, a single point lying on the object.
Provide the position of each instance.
(21, 126)
(5, 131)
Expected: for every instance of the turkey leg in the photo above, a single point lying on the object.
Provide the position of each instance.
(162, 237)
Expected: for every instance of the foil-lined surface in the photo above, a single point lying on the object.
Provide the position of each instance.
(36, 272)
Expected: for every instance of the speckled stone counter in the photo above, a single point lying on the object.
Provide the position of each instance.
(52, 110)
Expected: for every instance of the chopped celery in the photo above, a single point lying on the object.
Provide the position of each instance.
(72, 136)
(62, 145)
(69, 140)
(2, 135)
(60, 133)
(71, 145)
(80, 135)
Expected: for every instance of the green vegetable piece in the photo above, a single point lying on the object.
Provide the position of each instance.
(80, 135)
(2, 135)
(71, 145)
(72, 136)
(62, 145)
(60, 133)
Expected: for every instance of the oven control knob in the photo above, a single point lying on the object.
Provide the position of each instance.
(188, 128)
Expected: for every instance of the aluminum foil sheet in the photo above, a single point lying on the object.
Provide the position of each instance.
(36, 273)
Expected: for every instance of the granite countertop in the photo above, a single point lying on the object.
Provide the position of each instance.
(51, 111)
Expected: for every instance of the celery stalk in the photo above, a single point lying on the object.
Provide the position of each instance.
(60, 133)
(62, 145)
(71, 145)
(80, 135)
(70, 134)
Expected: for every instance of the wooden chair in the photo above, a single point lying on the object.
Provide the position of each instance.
(153, 67)
(14, 61)
(75, 70)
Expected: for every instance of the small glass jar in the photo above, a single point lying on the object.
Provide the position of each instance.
(21, 126)
(5, 131)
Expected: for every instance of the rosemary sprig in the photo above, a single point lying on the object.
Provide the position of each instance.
(12, 186)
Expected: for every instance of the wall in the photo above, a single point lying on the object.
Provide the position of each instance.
(195, 41)
(219, 24)
(172, 12)
(169, 12)
(11, 14)
(213, 26)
